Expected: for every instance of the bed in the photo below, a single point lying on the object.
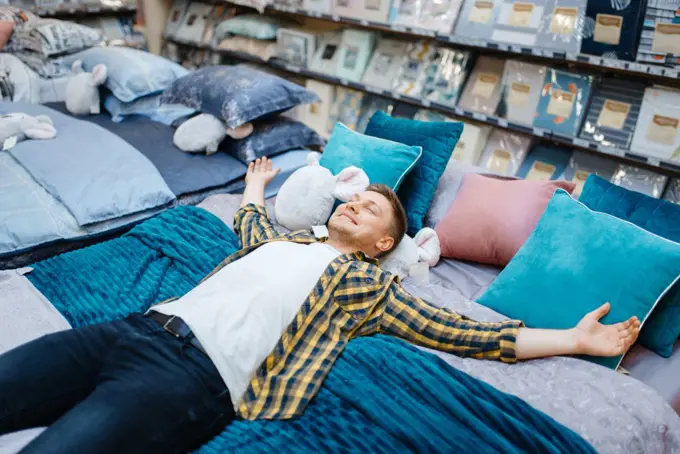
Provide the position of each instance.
(614, 412)
(59, 195)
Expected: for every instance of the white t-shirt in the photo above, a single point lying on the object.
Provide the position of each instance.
(240, 313)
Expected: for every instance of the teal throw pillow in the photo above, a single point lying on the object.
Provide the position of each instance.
(383, 161)
(438, 140)
(576, 260)
(659, 217)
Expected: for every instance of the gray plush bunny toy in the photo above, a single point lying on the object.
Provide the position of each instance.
(82, 93)
(23, 126)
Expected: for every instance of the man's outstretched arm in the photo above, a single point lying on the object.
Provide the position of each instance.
(251, 222)
(421, 323)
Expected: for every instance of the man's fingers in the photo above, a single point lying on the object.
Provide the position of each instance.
(601, 311)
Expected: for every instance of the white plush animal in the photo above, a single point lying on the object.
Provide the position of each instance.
(204, 132)
(23, 126)
(82, 92)
(306, 200)
(424, 249)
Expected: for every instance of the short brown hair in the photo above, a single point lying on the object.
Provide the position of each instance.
(398, 227)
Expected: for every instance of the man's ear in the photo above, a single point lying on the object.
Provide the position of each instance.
(385, 243)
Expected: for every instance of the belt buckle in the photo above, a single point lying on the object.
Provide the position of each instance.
(167, 329)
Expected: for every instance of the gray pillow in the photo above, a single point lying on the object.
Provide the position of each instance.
(53, 37)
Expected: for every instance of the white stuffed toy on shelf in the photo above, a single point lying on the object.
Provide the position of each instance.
(82, 89)
(306, 200)
(15, 127)
(204, 132)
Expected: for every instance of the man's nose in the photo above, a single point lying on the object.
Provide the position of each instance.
(353, 206)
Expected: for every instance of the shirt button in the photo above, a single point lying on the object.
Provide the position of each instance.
(368, 280)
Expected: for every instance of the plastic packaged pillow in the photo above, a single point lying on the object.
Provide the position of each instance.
(236, 94)
(250, 25)
(326, 56)
(148, 106)
(471, 143)
(411, 77)
(505, 152)
(438, 140)
(272, 137)
(384, 64)
(131, 73)
(255, 47)
(477, 19)
(673, 191)
(604, 33)
(579, 259)
(563, 101)
(613, 113)
(446, 75)
(482, 91)
(522, 84)
(582, 165)
(659, 38)
(372, 104)
(545, 162)
(384, 161)
(356, 47)
(657, 132)
(346, 108)
(640, 180)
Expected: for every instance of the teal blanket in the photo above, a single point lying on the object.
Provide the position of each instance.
(382, 395)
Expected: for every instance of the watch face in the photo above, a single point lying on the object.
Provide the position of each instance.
(351, 57)
(329, 51)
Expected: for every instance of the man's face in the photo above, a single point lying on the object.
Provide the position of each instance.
(364, 222)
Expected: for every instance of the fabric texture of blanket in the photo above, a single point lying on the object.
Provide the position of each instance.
(368, 401)
(163, 257)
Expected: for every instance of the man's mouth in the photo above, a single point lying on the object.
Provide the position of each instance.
(350, 216)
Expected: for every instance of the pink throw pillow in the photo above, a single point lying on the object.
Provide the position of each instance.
(6, 28)
(490, 219)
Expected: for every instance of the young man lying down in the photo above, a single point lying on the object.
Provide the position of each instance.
(253, 340)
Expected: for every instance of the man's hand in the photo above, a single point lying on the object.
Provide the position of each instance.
(260, 174)
(595, 339)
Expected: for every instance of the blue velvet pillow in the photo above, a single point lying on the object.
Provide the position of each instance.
(383, 161)
(438, 140)
(236, 94)
(659, 217)
(577, 259)
(273, 137)
(131, 73)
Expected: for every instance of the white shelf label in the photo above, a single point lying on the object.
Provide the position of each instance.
(580, 142)
(478, 116)
(459, 111)
(292, 68)
(654, 161)
(673, 73)
(335, 18)
(426, 102)
(611, 150)
(364, 22)
(637, 67)
(539, 132)
(572, 56)
(396, 95)
(372, 89)
(344, 81)
(502, 122)
(314, 13)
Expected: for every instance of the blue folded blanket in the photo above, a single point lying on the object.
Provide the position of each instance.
(382, 395)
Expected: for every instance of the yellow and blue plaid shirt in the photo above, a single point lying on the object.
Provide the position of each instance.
(353, 298)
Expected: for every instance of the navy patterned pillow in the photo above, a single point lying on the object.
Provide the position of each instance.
(236, 94)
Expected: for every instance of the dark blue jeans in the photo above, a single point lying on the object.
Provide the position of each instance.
(120, 387)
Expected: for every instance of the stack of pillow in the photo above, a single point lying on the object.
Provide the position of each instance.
(562, 257)
(239, 96)
(250, 33)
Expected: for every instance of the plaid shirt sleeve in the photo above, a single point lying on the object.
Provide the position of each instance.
(252, 225)
(421, 323)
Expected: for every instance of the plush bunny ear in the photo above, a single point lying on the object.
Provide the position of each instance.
(77, 66)
(99, 74)
(313, 158)
(41, 131)
(348, 182)
(429, 249)
(44, 119)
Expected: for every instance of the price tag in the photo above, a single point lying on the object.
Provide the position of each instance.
(672, 73)
(571, 56)
(656, 70)
(580, 142)
(654, 161)
(399, 28)
(637, 67)
(460, 112)
(396, 95)
(364, 22)
(314, 13)
(372, 89)
(502, 122)
(538, 132)
(478, 116)
(292, 68)
(609, 63)
(344, 82)
(335, 18)
(426, 102)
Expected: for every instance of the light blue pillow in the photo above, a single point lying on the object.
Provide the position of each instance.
(383, 161)
(131, 73)
(438, 139)
(149, 107)
(236, 94)
(578, 259)
(250, 25)
(272, 137)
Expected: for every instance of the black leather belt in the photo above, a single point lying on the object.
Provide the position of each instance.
(177, 327)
